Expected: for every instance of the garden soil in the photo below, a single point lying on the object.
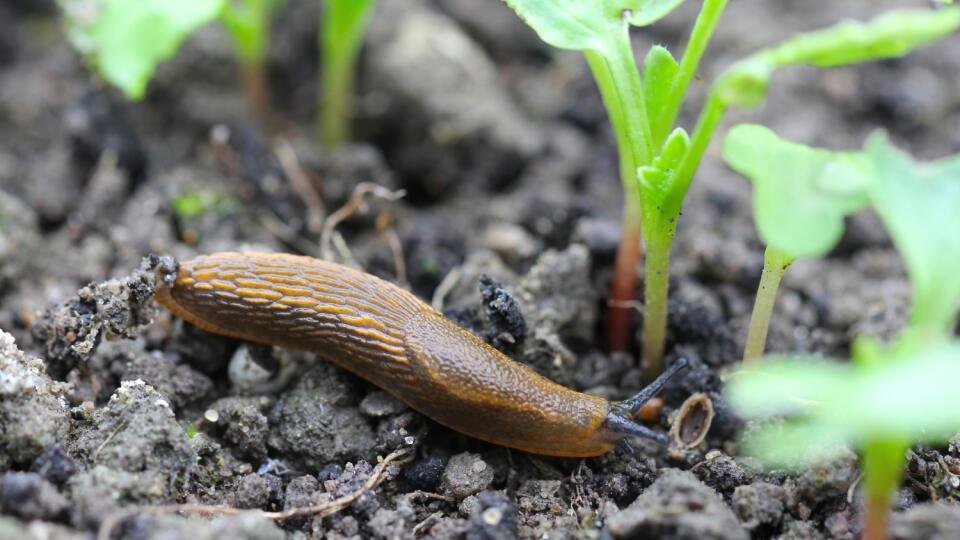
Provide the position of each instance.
(112, 411)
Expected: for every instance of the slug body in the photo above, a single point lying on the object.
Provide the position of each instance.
(388, 336)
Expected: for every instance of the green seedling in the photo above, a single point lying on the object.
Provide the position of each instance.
(248, 22)
(802, 195)
(124, 41)
(880, 404)
(642, 110)
(342, 31)
(889, 397)
(657, 159)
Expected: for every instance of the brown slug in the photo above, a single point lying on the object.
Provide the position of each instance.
(388, 336)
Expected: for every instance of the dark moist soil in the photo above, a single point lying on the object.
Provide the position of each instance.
(509, 225)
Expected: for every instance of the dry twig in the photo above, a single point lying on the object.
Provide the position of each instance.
(357, 203)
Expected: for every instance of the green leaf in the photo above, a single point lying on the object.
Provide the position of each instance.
(801, 194)
(908, 395)
(920, 205)
(248, 22)
(580, 25)
(127, 39)
(656, 178)
(892, 34)
(786, 385)
(645, 12)
(795, 444)
(343, 23)
(745, 84)
(659, 74)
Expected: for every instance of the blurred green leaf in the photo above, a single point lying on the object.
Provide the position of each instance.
(786, 385)
(801, 194)
(126, 39)
(911, 396)
(579, 25)
(659, 74)
(656, 178)
(248, 22)
(920, 205)
(197, 203)
(796, 444)
(892, 34)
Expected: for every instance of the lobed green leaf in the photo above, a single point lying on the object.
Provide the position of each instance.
(659, 74)
(580, 25)
(801, 193)
(891, 34)
(904, 396)
(919, 204)
(127, 39)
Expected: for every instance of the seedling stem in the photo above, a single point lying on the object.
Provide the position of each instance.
(343, 22)
(882, 468)
(638, 143)
(775, 264)
(248, 22)
(620, 87)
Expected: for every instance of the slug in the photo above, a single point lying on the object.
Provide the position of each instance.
(391, 338)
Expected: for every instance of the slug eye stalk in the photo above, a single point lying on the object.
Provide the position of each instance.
(620, 417)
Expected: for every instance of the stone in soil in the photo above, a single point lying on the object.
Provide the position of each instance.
(317, 422)
(466, 474)
(926, 522)
(680, 507)
(33, 412)
(435, 79)
(759, 505)
(494, 517)
(241, 423)
(30, 497)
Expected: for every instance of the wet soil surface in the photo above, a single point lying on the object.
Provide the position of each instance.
(509, 225)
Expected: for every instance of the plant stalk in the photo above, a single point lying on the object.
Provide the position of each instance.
(710, 117)
(342, 24)
(656, 280)
(659, 225)
(248, 23)
(882, 467)
(775, 264)
(697, 44)
(256, 88)
(618, 79)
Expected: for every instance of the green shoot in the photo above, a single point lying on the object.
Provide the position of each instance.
(885, 401)
(802, 195)
(340, 39)
(125, 40)
(248, 22)
(775, 264)
(745, 85)
(642, 111)
(918, 203)
(889, 397)
(658, 159)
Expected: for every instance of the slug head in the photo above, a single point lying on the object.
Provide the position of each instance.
(620, 417)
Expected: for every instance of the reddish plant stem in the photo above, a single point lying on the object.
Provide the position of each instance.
(255, 86)
(623, 287)
(875, 520)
